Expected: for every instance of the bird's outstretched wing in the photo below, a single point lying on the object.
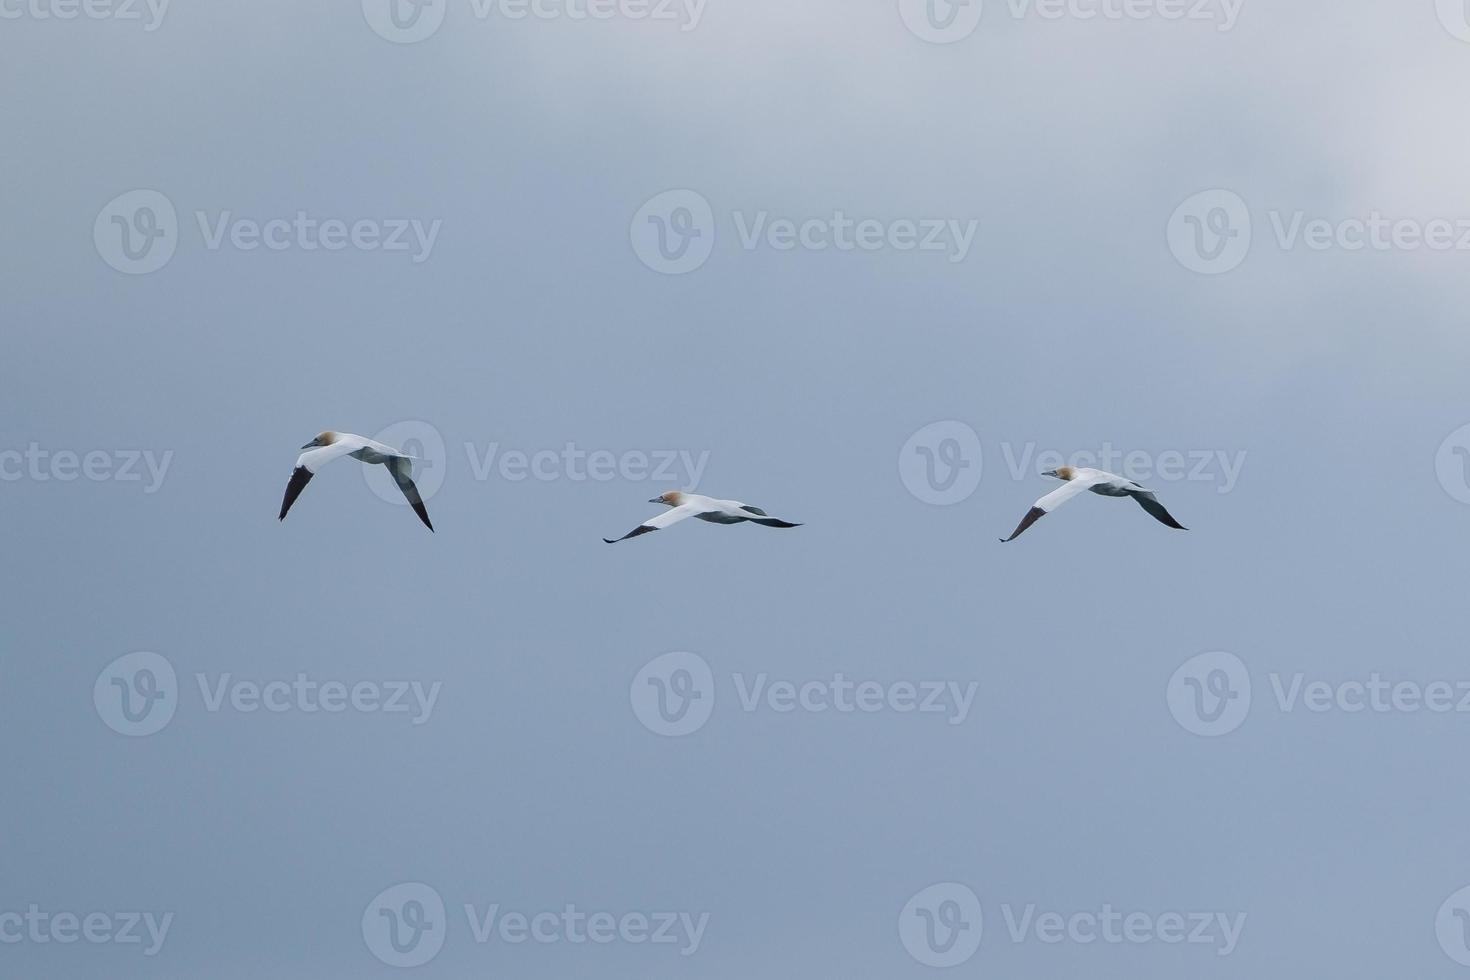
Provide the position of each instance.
(401, 468)
(761, 517)
(1149, 501)
(307, 465)
(671, 516)
(1053, 500)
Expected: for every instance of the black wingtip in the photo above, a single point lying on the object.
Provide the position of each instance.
(610, 540)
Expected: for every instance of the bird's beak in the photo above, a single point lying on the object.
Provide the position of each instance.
(310, 445)
(1050, 473)
(656, 500)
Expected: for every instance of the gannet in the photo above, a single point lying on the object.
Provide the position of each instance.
(333, 445)
(1080, 478)
(682, 505)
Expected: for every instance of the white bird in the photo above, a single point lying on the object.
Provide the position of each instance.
(1080, 478)
(333, 445)
(684, 505)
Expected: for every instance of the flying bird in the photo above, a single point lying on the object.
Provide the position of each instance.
(333, 445)
(682, 505)
(1080, 478)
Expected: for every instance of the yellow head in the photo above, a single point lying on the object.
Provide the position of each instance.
(1062, 473)
(322, 439)
(672, 498)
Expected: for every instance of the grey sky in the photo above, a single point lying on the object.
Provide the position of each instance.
(1321, 383)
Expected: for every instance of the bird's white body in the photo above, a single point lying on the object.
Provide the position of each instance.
(1105, 483)
(685, 505)
(1079, 478)
(715, 511)
(358, 447)
(335, 445)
